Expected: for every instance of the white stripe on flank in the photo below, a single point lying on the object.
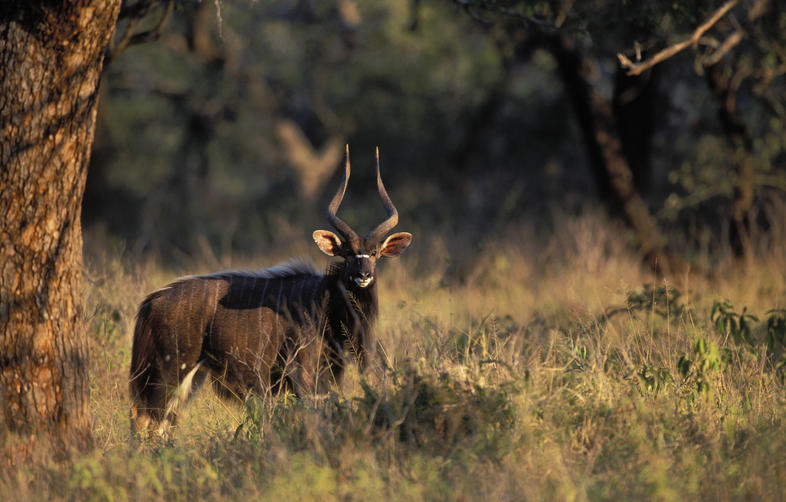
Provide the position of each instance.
(189, 303)
(261, 304)
(215, 309)
(278, 303)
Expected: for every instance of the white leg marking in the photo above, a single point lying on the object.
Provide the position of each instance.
(181, 395)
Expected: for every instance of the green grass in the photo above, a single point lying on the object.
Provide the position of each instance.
(519, 372)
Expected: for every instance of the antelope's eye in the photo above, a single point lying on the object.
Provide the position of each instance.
(374, 253)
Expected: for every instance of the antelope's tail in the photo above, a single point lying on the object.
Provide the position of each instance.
(144, 380)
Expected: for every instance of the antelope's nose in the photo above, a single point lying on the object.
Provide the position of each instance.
(363, 279)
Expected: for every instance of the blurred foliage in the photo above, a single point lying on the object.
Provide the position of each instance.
(662, 300)
(462, 97)
(728, 322)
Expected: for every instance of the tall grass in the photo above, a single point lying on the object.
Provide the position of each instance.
(509, 371)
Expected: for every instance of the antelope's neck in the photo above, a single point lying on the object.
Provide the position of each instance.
(363, 299)
(367, 300)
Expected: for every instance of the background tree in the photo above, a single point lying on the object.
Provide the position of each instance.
(51, 57)
(733, 42)
(490, 112)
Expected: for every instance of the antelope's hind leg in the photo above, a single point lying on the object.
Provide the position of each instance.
(148, 402)
(158, 399)
(181, 395)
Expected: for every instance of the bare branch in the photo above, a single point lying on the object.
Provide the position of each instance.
(638, 68)
(154, 33)
(116, 47)
(314, 166)
(727, 45)
(137, 10)
(135, 14)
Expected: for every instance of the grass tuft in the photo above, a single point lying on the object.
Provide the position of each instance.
(562, 372)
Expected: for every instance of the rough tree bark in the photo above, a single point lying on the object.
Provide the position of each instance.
(51, 57)
(607, 159)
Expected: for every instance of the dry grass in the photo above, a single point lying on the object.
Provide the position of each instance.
(518, 372)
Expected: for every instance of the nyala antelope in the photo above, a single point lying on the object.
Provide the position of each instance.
(286, 327)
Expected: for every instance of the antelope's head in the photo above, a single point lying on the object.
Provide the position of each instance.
(361, 253)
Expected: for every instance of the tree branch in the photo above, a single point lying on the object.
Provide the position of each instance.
(154, 33)
(135, 14)
(638, 68)
(727, 45)
(468, 6)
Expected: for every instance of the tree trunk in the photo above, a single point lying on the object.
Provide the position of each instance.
(719, 80)
(51, 57)
(607, 159)
(634, 104)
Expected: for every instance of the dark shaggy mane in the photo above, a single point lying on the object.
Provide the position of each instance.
(292, 268)
(335, 269)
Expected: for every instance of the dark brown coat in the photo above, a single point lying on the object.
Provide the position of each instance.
(287, 327)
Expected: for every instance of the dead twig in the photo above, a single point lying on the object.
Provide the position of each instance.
(638, 68)
(727, 45)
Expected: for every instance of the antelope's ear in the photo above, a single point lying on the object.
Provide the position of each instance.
(395, 244)
(328, 242)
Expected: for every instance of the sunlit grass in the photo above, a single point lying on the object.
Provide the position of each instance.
(514, 371)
